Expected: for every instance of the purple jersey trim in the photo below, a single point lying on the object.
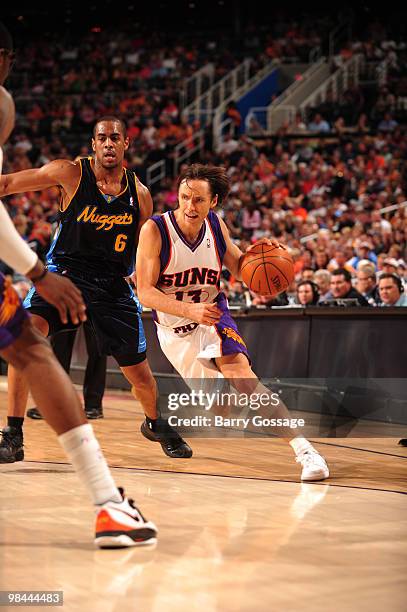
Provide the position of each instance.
(220, 243)
(12, 314)
(193, 246)
(231, 340)
(165, 252)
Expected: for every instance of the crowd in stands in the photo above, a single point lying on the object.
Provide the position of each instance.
(326, 202)
(378, 101)
(326, 199)
(62, 83)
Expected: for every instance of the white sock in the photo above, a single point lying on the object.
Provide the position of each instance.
(86, 456)
(301, 445)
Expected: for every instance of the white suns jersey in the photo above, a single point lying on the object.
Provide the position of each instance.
(189, 272)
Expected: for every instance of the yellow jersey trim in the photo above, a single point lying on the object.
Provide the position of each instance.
(63, 208)
(136, 186)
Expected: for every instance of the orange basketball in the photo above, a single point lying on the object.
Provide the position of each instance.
(267, 269)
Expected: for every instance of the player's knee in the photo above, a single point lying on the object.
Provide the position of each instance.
(35, 349)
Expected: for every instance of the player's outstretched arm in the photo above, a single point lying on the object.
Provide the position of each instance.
(148, 273)
(58, 172)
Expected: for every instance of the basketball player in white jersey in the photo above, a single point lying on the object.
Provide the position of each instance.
(179, 262)
(118, 521)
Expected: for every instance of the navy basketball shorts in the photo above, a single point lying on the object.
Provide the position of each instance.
(113, 312)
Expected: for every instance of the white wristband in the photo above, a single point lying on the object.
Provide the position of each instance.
(13, 250)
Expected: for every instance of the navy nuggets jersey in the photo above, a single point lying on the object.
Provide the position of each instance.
(97, 232)
(189, 272)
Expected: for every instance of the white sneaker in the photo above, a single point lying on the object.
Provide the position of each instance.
(314, 466)
(121, 524)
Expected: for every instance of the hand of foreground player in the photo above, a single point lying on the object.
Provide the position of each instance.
(268, 241)
(206, 314)
(64, 295)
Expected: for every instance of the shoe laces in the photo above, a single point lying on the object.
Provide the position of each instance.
(131, 504)
(308, 457)
(8, 436)
(5, 437)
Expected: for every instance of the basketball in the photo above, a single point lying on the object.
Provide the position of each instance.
(267, 269)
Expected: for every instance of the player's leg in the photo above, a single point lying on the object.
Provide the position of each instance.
(154, 428)
(95, 376)
(234, 363)
(122, 320)
(62, 345)
(236, 369)
(12, 442)
(118, 522)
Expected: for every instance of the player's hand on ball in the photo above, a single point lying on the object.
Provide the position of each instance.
(269, 241)
(206, 314)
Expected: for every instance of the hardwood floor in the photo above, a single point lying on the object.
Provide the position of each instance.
(237, 530)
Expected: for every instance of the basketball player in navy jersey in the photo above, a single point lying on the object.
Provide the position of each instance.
(118, 521)
(179, 262)
(103, 206)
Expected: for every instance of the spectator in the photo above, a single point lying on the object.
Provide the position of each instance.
(364, 251)
(307, 293)
(322, 279)
(319, 124)
(228, 145)
(366, 283)
(391, 291)
(390, 265)
(341, 287)
(387, 124)
(307, 274)
(232, 113)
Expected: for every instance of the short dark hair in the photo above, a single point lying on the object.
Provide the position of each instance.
(216, 177)
(111, 118)
(6, 41)
(397, 280)
(342, 272)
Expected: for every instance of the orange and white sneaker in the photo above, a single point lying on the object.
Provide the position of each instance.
(121, 524)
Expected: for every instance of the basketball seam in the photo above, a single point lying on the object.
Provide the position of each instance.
(263, 258)
(280, 272)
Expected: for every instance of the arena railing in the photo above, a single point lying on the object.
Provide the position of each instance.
(234, 94)
(155, 173)
(344, 77)
(195, 86)
(187, 148)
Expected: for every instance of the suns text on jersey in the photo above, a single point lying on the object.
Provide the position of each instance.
(192, 276)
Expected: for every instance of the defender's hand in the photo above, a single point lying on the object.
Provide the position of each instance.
(64, 295)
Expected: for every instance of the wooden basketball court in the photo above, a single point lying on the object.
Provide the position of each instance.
(237, 529)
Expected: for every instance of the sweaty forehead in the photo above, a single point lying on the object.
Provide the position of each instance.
(108, 128)
(196, 187)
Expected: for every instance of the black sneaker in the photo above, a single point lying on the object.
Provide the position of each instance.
(403, 442)
(11, 445)
(171, 442)
(94, 413)
(33, 413)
